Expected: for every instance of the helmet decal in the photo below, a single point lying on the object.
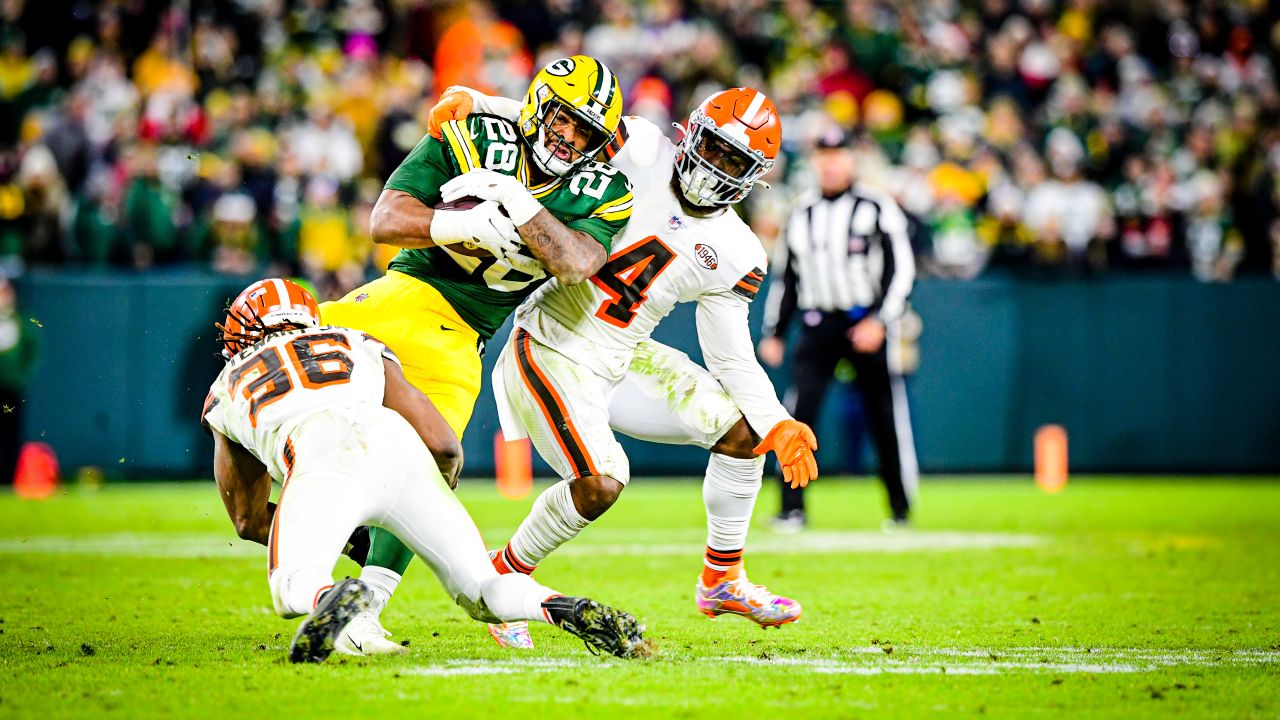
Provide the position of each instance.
(561, 67)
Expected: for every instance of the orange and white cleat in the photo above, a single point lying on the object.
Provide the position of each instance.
(740, 596)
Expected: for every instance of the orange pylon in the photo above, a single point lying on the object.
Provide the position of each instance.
(514, 461)
(1051, 458)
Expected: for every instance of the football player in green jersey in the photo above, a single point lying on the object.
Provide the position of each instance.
(545, 208)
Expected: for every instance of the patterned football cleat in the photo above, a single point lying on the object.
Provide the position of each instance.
(740, 596)
(601, 627)
(514, 635)
(317, 634)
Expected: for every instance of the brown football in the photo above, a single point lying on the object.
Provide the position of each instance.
(462, 203)
(465, 203)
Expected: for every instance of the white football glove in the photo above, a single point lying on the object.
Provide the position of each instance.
(483, 226)
(486, 184)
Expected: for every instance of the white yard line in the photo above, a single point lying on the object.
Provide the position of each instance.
(873, 660)
(601, 541)
(500, 667)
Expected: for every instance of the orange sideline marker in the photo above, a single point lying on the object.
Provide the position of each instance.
(514, 461)
(1051, 458)
(36, 476)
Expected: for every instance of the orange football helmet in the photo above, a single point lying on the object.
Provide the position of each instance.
(267, 304)
(732, 140)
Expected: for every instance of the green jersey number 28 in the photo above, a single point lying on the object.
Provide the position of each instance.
(503, 155)
(505, 274)
(593, 183)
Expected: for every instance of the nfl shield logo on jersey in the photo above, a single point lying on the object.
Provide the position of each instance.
(675, 223)
(707, 256)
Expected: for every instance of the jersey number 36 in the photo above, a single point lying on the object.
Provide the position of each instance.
(263, 379)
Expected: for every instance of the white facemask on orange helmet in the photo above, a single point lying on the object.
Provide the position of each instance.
(732, 141)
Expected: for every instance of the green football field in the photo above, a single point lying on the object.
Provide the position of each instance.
(1116, 598)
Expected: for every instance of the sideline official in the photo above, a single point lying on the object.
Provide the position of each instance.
(845, 267)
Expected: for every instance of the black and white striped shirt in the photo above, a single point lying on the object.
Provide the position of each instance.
(849, 252)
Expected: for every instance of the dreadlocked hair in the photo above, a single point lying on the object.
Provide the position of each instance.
(253, 330)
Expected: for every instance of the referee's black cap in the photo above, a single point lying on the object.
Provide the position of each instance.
(834, 137)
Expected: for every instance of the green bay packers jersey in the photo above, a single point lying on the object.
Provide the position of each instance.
(595, 199)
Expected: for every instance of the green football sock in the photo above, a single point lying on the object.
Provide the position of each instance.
(386, 551)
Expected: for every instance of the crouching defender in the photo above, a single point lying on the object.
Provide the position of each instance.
(327, 412)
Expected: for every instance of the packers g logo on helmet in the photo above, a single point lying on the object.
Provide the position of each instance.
(561, 67)
(583, 87)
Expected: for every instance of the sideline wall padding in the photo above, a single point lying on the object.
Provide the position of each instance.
(1148, 374)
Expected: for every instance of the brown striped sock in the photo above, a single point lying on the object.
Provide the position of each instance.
(717, 563)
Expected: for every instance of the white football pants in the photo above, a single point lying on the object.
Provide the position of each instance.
(369, 467)
(570, 413)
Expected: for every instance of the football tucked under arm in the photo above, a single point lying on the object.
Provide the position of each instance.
(471, 216)
(462, 203)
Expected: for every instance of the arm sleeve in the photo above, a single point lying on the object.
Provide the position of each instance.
(780, 303)
(899, 264)
(730, 355)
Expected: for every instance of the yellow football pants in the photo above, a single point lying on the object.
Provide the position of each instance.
(438, 350)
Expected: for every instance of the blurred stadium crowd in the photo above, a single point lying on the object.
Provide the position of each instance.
(1058, 137)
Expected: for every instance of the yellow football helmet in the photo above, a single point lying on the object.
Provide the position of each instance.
(583, 87)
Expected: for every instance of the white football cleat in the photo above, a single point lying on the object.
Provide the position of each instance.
(364, 635)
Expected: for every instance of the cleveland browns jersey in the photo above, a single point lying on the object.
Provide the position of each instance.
(268, 388)
(664, 257)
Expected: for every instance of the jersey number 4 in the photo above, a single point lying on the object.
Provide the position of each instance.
(263, 379)
(627, 276)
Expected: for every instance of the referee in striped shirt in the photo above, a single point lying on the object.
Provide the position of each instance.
(845, 267)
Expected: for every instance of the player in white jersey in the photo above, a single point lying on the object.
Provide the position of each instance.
(327, 412)
(580, 363)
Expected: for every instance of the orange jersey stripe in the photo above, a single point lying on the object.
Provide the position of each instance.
(273, 559)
